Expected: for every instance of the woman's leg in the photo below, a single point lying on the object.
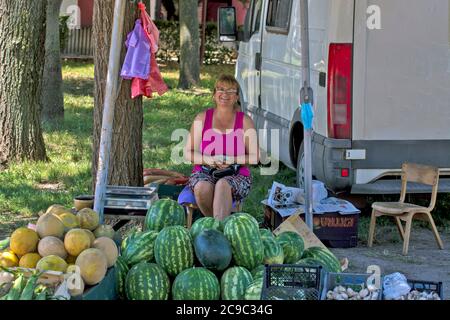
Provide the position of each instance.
(204, 194)
(223, 200)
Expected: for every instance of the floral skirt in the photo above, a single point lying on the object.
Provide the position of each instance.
(240, 185)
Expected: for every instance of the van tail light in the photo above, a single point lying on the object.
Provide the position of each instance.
(340, 83)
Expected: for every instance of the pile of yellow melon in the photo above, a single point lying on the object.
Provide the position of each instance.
(62, 239)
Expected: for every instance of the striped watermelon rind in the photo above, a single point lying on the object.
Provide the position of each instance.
(254, 290)
(164, 213)
(240, 214)
(266, 233)
(246, 244)
(293, 246)
(121, 270)
(173, 250)
(325, 257)
(196, 284)
(273, 251)
(258, 272)
(234, 282)
(140, 247)
(205, 223)
(147, 281)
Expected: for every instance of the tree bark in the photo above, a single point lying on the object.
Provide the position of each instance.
(125, 166)
(189, 45)
(52, 93)
(22, 37)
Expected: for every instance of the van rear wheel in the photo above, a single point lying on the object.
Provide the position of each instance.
(301, 167)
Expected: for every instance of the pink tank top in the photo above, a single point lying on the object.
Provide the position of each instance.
(217, 143)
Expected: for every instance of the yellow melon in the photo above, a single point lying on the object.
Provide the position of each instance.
(88, 219)
(90, 234)
(109, 248)
(93, 265)
(104, 230)
(49, 225)
(8, 259)
(23, 241)
(51, 263)
(56, 209)
(69, 220)
(52, 246)
(29, 260)
(75, 241)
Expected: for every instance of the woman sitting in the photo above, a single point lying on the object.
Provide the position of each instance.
(221, 137)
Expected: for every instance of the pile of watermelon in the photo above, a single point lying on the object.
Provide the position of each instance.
(213, 260)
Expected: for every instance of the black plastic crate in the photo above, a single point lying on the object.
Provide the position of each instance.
(291, 282)
(425, 286)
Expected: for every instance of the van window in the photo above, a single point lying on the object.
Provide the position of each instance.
(256, 16)
(278, 14)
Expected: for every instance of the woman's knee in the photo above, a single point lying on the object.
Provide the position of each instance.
(203, 190)
(222, 186)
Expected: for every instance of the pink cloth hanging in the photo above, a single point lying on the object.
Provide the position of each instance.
(155, 82)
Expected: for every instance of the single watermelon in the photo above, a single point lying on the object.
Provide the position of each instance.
(213, 250)
(173, 250)
(140, 247)
(196, 284)
(234, 282)
(205, 223)
(121, 270)
(243, 234)
(147, 281)
(325, 257)
(273, 252)
(164, 213)
(292, 245)
(240, 214)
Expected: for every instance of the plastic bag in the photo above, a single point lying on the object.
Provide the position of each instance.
(395, 285)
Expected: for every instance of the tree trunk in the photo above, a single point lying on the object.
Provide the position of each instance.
(22, 37)
(125, 166)
(52, 94)
(189, 45)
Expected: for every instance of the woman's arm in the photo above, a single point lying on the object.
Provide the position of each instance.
(192, 151)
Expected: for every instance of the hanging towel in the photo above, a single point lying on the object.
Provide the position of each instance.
(137, 59)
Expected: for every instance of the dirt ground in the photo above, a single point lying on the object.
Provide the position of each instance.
(424, 260)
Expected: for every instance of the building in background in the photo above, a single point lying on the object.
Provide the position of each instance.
(81, 12)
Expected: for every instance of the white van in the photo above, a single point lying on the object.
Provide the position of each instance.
(381, 96)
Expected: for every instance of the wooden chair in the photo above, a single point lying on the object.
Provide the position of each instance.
(402, 211)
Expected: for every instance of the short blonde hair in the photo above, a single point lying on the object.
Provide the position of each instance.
(231, 81)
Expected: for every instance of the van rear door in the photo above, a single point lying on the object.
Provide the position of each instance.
(401, 86)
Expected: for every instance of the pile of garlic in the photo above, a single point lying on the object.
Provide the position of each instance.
(417, 295)
(342, 293)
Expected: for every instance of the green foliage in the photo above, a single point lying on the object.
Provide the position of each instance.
(169, 45)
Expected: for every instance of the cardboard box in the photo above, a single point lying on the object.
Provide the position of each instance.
(333, 229)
